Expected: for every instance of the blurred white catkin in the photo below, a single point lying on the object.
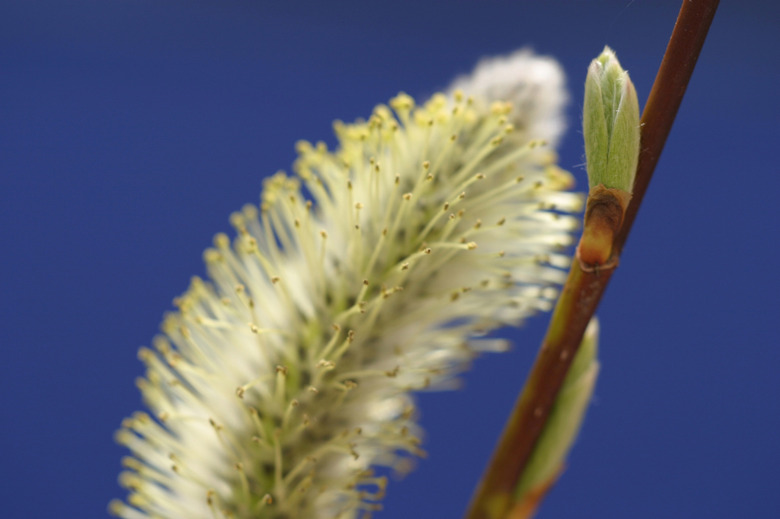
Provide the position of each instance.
(282, 381)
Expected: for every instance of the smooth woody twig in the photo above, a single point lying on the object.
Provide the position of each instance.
(495, 497)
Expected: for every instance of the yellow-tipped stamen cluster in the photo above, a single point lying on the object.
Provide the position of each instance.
(373, 272)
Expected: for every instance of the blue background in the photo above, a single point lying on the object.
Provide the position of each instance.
(129, 130)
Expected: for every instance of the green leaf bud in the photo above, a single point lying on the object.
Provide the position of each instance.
(610, 124)
(565, 418)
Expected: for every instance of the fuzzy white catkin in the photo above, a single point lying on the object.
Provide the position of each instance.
(280, 383)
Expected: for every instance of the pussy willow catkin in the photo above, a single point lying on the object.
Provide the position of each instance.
(376, 270)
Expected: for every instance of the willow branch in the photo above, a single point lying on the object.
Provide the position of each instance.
(583, 290)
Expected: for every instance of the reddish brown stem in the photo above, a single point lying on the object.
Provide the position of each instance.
(665, 97)
(583, 290)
